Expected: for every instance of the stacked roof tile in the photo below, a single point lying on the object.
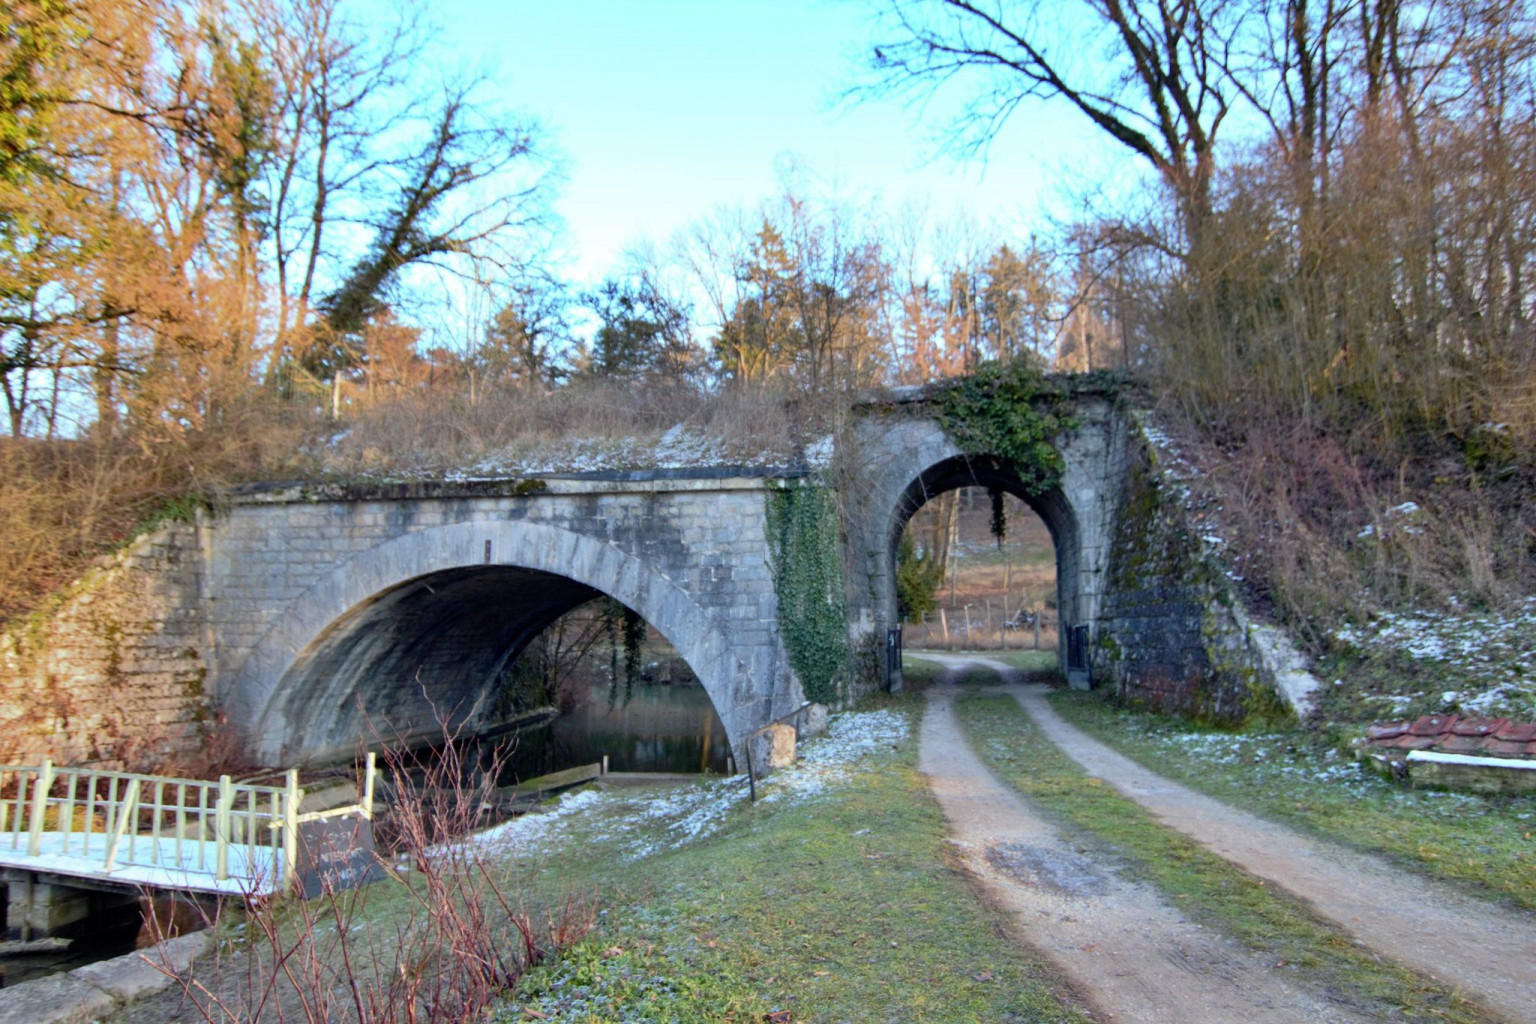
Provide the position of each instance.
(1452, 734)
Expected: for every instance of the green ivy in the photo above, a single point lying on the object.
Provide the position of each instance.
(808, 576)
(917, 579)
(1011, 412)
(999, 522)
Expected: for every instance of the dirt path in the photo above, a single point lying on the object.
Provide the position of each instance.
(1486, 951)
(1131, 956)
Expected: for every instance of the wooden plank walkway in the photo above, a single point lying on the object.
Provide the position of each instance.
(181, 864)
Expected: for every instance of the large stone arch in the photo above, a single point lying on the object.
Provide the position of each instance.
(276, 698)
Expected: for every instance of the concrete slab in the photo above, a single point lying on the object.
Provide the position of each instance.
(61, 999)
(145, 971)
(88, 992)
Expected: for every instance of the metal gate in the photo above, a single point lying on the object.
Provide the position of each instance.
(1077, 649)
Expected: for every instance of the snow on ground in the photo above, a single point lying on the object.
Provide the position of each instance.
(851, 742)
(1488, 660)
(640, 825)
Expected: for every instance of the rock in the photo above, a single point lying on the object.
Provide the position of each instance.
(814, 722)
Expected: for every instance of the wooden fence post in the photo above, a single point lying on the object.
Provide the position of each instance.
(291, 798)
(126, 811)
(221, 828)
(40, 789)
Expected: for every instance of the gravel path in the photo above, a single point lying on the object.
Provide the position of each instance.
(1486, 951)
(1128, 954)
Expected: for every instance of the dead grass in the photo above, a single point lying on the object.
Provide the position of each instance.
(1323, 533)
(448, 429)
(65, 503)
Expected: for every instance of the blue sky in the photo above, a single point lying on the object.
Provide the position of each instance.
(666, 109)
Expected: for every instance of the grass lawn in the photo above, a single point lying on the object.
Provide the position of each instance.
(834, 898)
(1031, 663)
(1202, 884)
(1296, 776)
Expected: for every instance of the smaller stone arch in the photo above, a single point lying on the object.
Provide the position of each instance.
(350, 617)
(902, 456)
(989, 471)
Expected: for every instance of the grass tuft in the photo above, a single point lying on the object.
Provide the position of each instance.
(1298, 777)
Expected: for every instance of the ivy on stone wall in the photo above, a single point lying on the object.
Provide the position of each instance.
(808, 577)
(1010, 411)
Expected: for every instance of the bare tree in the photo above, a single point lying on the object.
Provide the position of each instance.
(1149, 74)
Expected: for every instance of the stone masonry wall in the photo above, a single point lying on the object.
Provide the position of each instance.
(114, 671)
(196, 624)
(896, 444)
(1170, 633)
(689, 555)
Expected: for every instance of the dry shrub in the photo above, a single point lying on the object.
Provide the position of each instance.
(455, 427)
(439, 940)
(1324, 533)
(64, 503)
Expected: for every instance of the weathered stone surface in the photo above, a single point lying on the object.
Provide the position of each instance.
(1473, 778)
(1171, 632)
(898, 457)
(781, 745)
(59, 999)
(134, 975)
(313, 621)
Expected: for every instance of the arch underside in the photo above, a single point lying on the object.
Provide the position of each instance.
(1051, 506)
(421, 626)
(419, 657)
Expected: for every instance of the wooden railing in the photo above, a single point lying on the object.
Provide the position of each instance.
(106, 821)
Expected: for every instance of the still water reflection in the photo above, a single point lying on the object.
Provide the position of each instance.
(663, 728)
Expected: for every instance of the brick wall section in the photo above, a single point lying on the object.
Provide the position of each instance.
(114, 673)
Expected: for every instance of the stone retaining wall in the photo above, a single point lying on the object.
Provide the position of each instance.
(114, 671)
(1171, 633)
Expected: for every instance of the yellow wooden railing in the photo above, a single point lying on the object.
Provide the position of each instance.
(108, 820)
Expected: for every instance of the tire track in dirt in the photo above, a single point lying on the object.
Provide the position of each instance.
(1131, 956)
(1485, 950)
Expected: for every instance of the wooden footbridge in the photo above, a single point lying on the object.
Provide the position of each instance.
(66, 833)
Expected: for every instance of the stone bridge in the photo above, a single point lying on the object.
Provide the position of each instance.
(311, 618)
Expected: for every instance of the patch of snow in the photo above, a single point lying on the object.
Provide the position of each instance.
(1471, 760)
(1476, 639)
(689, 813)
(818, 454)
(852, 739)
(530, 831)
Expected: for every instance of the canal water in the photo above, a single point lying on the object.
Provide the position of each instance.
(661, 728)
